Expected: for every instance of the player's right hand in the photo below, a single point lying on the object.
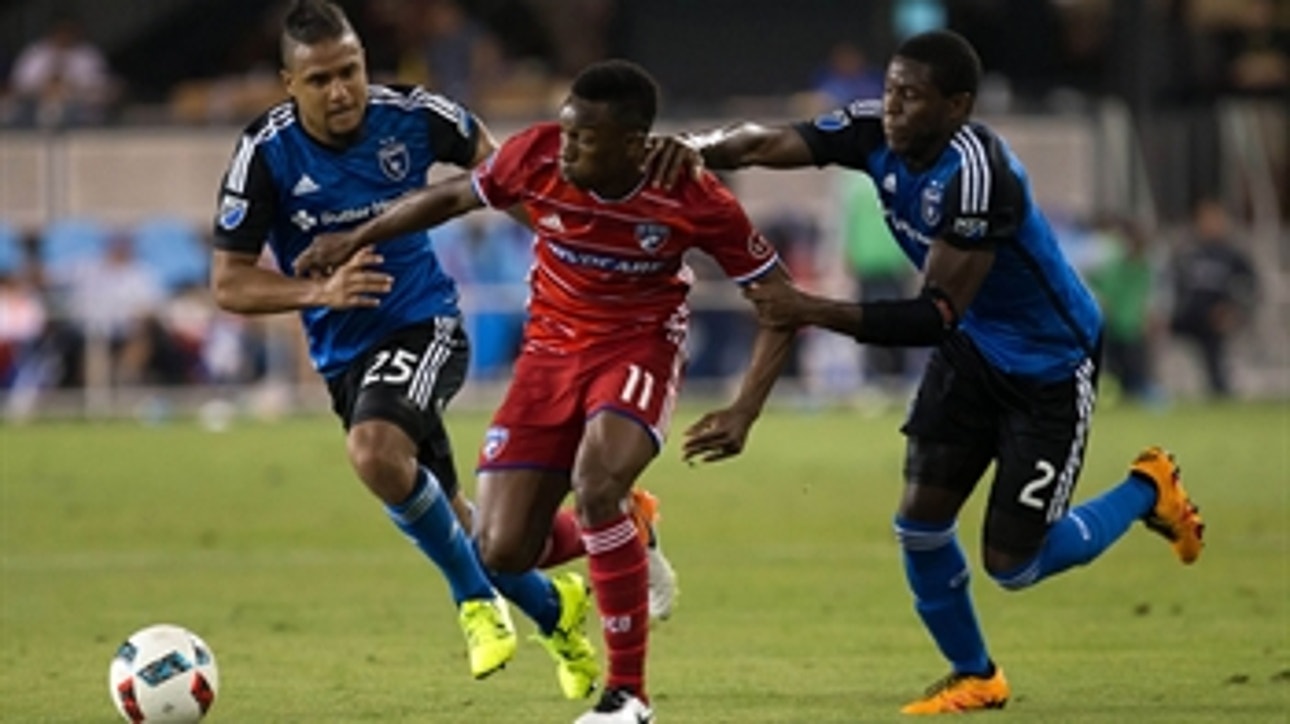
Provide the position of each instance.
(666, 157)
(357, 283)
(325, 254)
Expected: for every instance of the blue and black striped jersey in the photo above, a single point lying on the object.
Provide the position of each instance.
(1033, 316)
(282, 188)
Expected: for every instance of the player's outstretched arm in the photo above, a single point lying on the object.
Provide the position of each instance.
(723, 433)
(730, 147)
(424, 208)
(239, 284)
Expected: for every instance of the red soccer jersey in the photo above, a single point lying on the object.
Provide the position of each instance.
(609, 268)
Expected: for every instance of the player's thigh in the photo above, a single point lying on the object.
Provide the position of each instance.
(630, 399)
(513, 513)
(951, 431)
(407, 381)
(1041, 453)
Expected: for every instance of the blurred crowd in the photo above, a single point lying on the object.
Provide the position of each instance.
(82, 302)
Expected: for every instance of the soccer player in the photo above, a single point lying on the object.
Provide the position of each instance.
(384, 330)
(1016, 337)
(600, 366)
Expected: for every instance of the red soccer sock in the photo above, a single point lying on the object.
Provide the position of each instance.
(565, 542)
(620, 580)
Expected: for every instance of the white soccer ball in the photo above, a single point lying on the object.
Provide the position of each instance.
(163, 673)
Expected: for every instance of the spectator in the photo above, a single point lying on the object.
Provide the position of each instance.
(881, 272)
(1256, 54)
(847, 76)
(1125, 287)
(120, 300)
(1215, 288)
(463, 59)
(62, 79)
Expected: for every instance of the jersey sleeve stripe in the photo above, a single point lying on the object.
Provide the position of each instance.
(974, 173)
(758, 272)
(238, 168)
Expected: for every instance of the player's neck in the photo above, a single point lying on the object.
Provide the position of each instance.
(619, 190)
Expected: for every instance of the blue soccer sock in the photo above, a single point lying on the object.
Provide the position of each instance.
(1085, 532)
(427, 518)
(938, 576)
(534, 594)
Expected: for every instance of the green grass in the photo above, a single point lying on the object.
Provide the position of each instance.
(794, 606)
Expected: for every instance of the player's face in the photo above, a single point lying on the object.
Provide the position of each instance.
(596, 153)
(917, 119)
(328, 81)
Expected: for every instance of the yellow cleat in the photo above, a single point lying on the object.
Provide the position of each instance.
(490, 635)
(576, 667)
(1175, 517)
(958, 693)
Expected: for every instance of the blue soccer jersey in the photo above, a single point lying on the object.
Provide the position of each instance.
(283, 188)
(1033, 316)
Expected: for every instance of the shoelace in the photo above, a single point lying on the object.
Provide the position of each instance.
(613, 700)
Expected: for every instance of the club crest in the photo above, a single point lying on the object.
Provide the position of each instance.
(394, 159)
(652, 236)
(931, 205)
(494, 440)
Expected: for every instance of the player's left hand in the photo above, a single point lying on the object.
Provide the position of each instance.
(716, 436)
(325, 254)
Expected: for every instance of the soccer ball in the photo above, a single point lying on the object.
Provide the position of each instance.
(163, 673)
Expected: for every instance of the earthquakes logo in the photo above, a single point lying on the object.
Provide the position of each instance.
(394, 159)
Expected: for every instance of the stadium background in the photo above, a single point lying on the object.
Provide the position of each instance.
(1126, 110)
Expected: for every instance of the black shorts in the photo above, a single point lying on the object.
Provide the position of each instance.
(1035, 432)
(408, 379)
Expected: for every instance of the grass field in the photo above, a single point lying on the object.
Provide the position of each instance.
(794, 608)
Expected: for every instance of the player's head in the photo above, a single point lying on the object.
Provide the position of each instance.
(929, 91)
(324, 69)
(604, 124)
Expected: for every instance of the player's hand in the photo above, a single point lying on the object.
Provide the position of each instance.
(356, 283)
(778, 305)
(667, 157)
(717, 435)
(325, 254)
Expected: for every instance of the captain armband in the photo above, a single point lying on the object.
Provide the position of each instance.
(923, 321)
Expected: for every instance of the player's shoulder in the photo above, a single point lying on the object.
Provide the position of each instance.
(540, 139)
(703, 196)
(979, 147)
(271, 124)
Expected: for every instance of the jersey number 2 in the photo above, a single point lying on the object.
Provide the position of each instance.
(1030, 491)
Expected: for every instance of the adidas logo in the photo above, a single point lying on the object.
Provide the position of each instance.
(551, 221)
(304, 186)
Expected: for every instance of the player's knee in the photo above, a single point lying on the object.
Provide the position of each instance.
(599, 495)
(1011, 559)
(503, 551)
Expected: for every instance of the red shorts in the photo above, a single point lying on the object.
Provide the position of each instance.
(552, 396)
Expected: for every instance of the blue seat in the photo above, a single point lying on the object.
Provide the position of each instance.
(69, 243)
(12, 257)
(173, 248)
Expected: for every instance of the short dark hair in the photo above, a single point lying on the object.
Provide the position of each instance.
(956, 68)
(312, 21)
(629, 90)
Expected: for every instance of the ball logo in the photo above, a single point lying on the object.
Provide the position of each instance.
(232, 211)
(495, 441)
